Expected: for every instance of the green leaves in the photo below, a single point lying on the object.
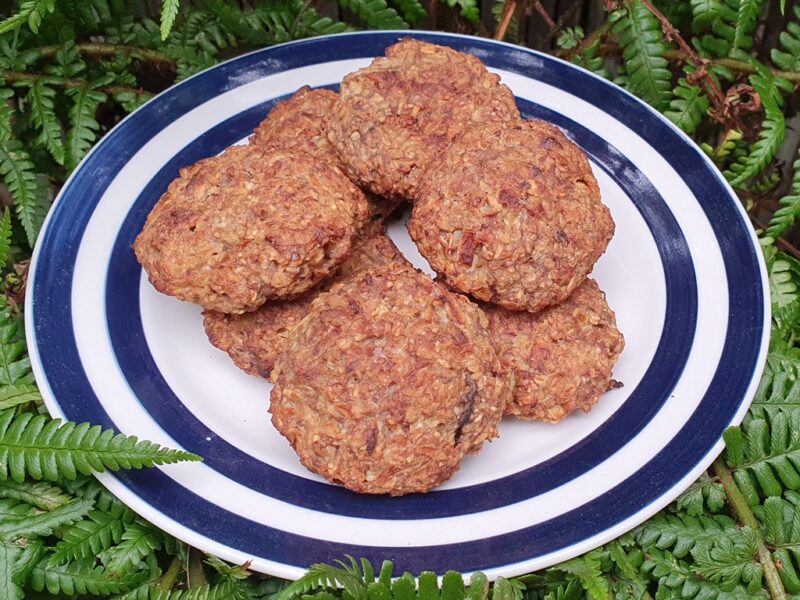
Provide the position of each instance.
(138, 540)
(746, 19)
(169, 11)
(728, 561)
(689, 106)
(40, 448)
(26, 187)
(31, 12)
(788, 59)
(81, 577)
(89, 537)
(43, 524)
(43, 113)
(642, 41)
(83, 126)
(375, 13)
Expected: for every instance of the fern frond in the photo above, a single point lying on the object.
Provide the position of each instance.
(228, 590)
(138, 541)
(770, 138)
(41, 495)
(31, 12)
(412, 10)
(89, 537)
(81, 577)
(83, 126)
(13, 510)
(788, 59)
(322, 576)
(9, 555)
(680, 533)
(46, 449)
(5, 246)
(779, 389)
(43, 524)
(587, 569)
(43, 114)
(469, 9)
(688, 106)
(789, 210)
(6, 113)
(375, 13)
(639, 34)
(704, 494)
(15, 366)
(20, 177)
(730, 561)
(704, 13)
(169, 11)
(746, 20)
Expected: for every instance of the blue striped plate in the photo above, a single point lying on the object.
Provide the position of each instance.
(683, 273)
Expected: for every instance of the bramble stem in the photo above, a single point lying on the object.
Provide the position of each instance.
(742, 512)
(505, 20)
(20, 77)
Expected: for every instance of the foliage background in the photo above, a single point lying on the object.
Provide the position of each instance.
(725, 71)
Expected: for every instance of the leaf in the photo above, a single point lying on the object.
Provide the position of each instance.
(27, 190)
(228, 590)
(322, 576)
(704, 13)
(469, 9)
(15, 366)
(704, 494)
(169, 11)
(13, 510)
(727, 561)
(375, 13)
(42, 448)
(688, 107)
(15, 395)
(9, 554)
(81, 577)
(89, 537)
(639, 34)
(43, 524)
(412, 10)
(43, 114)
(748, 13)
(138, 540)
(83, 126)
(5, 245)
(41, 495)
(32, 12)
(587, 569)
(788, 59)
(681, 532)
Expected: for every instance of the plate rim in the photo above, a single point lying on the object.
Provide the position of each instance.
(168, 524)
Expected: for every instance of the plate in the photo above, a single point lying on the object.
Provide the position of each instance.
(683, 273)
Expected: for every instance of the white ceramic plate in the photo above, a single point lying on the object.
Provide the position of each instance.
(683, 273)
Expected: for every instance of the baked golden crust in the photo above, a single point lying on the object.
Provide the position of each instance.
(249, 225)
(561, 357)
(301, 123)
(254, 340)
(511, 214)
(388, 382)
(395, 117)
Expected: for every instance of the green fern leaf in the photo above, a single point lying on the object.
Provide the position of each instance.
(6, 113)
(15, 366)
(31, 12)
(81, 577)
(322, 576)
(412, 10)
(469, 9)
(169, 11)
(704, 13)
(26, 188)
(228, 590)
(13, 510)
(15, 395)
(727, 561)
(770, 138)
(375, 13)
(639, 34)
(779, 389)
(587, 569)
(688, 108)
(138, 540)
(748, 13)
(5, 246)
(43, 114)
(83, 126)
(97, 532)
(681, 532)
(9, 555)
(704, 494)
(46, 449)
(788, 59)
(43, 524)
(41, 495)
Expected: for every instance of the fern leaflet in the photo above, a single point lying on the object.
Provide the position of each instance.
(730, 561)
(169, 11)
(15, 366)
(138, 541)
(375, 13)
(46, 449)
(412, 10)
(587, 569)
(83, 126)
(41, 495)
(228, 590)
(42, 524)
(6, 113)
(43, 114)
(97, 532)
(32, 12)
(642, 41)
(5, 246)
(788, 59)
(689, 106)
(20, 177)
(681, 532)
(81, 577)
(747, 17)
(704, 13)
(469, 9)
(9, 554)
(704, 494)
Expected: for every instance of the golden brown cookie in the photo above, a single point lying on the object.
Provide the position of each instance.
(388, 382)
(511, 215)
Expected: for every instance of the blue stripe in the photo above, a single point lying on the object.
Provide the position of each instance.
(147, 383)
(58, 353)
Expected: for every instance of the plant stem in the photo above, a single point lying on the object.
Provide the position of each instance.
(171, 575)
(505, 20)
(19, 77)
(746, 517)
(735, 65)
(544, 14)
(101, 49)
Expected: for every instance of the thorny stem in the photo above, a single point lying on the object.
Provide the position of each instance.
(544, 14)
(746, 517)
(509, 9)
(19, 77)
(171, 575)
(100, 49)
(710, 86)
